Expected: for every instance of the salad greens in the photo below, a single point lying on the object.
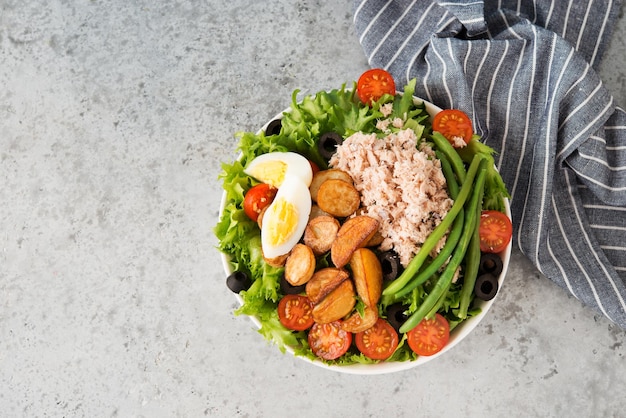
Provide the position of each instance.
(342, 112)
(495, 189)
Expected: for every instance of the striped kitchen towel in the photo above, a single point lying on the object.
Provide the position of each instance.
(524, 70)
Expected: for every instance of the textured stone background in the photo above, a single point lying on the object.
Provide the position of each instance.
(114, 118)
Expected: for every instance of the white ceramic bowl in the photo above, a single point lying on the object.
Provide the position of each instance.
(456, 335)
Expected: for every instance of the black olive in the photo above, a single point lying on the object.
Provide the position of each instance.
(390, 263)
(273, 128)
(396, 316)
(289, 289)
(238, 281)
(486, 286)
(490, 263)
(328, 143)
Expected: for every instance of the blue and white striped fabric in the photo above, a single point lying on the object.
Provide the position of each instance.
(524, 71)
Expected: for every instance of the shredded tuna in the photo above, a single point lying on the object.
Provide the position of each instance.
(458, 142)
(401, 185)
(383, 125)
(397, 123)
(386, 109)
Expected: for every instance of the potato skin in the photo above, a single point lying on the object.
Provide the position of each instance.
(357, 323)
(368, 276)
(276, 261)
(354, 233)
(320, 233)
(321, 176)
(338, 198)
(316, 211)
(325, 281)
(336, 304)
(300, 265)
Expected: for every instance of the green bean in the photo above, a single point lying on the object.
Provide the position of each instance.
(448, 173)
(438, 261)
(416, 263)
(472, 263)
(455, 159)
(446, 277)
(439, 303)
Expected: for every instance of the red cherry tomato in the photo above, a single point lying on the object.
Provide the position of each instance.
(453, 123)
(373, 84)
(429, 336)
(257, 198)
(329, 341)
(295, 312)
(495, 231)
(378, 342)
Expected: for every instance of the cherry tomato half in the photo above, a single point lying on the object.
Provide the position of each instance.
(373, 84)
(495, 231)
(429, 336)
(453, 123)
(257, 198)
(378, 342)
(295, 312)
(329, 341)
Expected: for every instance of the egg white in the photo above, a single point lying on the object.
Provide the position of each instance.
(274, 167)
(287, 217)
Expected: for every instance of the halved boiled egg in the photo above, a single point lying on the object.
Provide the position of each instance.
(274, 167)
(285, 220)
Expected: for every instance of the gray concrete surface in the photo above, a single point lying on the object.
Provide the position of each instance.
(114, 118)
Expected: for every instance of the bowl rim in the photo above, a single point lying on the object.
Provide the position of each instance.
(456, 335)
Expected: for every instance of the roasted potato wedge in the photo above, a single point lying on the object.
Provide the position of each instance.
(353, 234)
(357, 323)
(300, 265)
(368, 276)
(375, 241)
(320, 233)
(315, 212)
(276, 261)
(321, 176)
(323, 282)
(338, 198)
(377, 238)
(336, 304)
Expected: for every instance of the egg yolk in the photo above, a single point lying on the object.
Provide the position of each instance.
(284, 222)
(270, 172)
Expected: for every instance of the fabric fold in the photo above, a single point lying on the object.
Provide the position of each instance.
(524, 72)
(469, 14)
